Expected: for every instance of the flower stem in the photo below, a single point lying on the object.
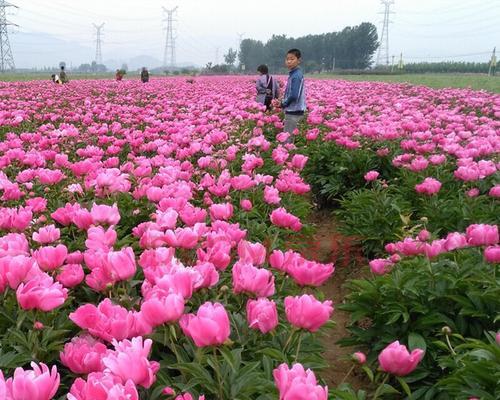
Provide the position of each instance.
(288, 340)
(298, 347)
(450, 346)
(377, 393)
(217, 372)
(348, 373)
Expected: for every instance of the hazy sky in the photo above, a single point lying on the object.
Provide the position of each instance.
(422, 29)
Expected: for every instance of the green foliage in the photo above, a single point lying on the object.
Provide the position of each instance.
(476, 370)
(374, 216)
(332, 170)
(416, 301)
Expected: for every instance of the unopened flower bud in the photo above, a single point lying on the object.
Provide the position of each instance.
(446, 330)
(359, 357)
(38, 325)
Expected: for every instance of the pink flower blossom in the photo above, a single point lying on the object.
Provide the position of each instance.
(429, 186)
(306, 312)
(83, 355)
(130, 361)
(396, 359)
(209, 326)
(262, 314)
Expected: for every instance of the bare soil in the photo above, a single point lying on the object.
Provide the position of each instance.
(332, 246)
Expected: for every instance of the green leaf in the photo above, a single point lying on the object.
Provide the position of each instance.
(416, 341)
(388, 389)
(368, 372)
(405, 386)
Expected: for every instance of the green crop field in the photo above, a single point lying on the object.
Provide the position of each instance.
(473, 81)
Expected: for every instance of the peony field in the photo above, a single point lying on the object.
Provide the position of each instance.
(162, 241)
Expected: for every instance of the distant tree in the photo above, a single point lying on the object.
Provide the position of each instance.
(252, 54)
(230, 57)
(84, 68)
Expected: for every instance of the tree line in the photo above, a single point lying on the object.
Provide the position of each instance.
(447, 67)
(351, 48)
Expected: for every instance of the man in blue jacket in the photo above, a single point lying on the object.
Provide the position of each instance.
(294, 99)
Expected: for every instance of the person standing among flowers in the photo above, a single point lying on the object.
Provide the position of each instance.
(63, 76)
(267, 87)
(144, 75)
(294, 99)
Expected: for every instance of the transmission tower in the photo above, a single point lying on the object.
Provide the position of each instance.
(169, 54)
(98, 42)
(6, 58)
(383, 49)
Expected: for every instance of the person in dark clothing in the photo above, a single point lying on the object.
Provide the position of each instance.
(63, 76)
(144, 75)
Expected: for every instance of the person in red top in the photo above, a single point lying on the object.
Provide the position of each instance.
(118, 75)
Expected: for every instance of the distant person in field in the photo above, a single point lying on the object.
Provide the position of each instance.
(63, 76)
(294, 98)
(144, 75)
(267, 87)
(118, 75)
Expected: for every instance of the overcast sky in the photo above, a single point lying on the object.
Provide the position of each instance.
(422, 29)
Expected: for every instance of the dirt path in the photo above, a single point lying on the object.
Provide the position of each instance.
(331, 246)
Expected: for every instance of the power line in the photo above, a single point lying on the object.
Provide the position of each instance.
(383, 50)
(6, 57)
(169, 54)
(98, 49)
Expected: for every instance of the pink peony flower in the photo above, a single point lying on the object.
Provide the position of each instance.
(83, 355)
(102, 386)
(455, 240)
(395, 359)
(371, 176)
(71, 275)
(208, 327)
(250, 279)
(280, 217)
(221, 211)
(492, 254)
(429, 186)
(47, 234)
(130, 361)
(254, 253)
(246, 205)
(50, 258)
(162, 309)
(106, 321)
(310, 273)
(306, 312)
(482, 234)
(39, 383)
(103, 214)
(296, 383)
(494, 191)
(262, 315)
(380, 266)
(41, 293)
